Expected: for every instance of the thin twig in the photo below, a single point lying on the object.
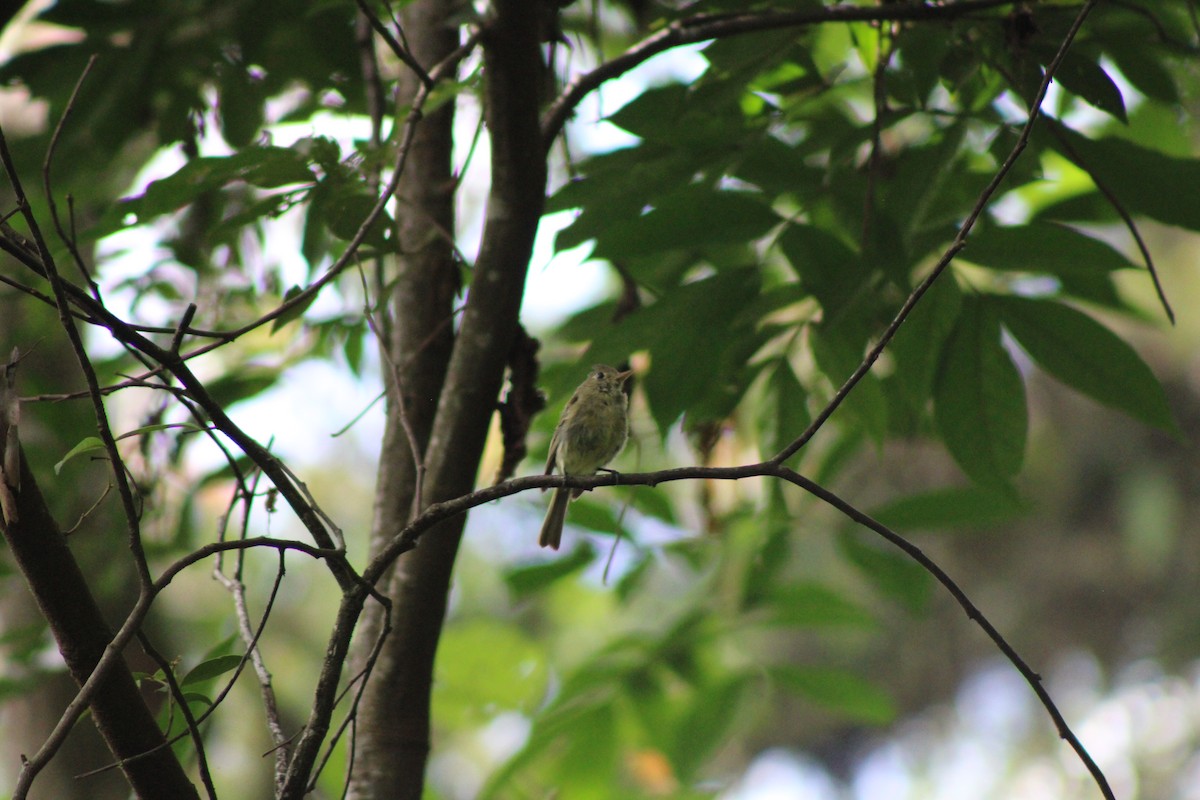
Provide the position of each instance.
(44, 298)
(251, 648)
(410, 434)
(193, 727)
(250, 638)
(973, 613)
(428, 340)
(67, 238)
(884, 49)
(189, 313)
(88, 512)
(399, 50)
(359, 680)
(133, 623)
(67, 320)
(1117, 206)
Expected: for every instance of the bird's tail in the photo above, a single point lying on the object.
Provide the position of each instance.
(551, 534)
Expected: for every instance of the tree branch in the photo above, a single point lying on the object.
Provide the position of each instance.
(191, 726)
(394, 731)
(400, 51)
(67, 321)
(92, 654)
(415, 349)
(437, 513)
(702, 27)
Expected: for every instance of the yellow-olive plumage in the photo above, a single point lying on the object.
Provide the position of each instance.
(590, 433)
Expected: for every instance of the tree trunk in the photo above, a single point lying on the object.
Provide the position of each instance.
(392, 726)
(450, 382)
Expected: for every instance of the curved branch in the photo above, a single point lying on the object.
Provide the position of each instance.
(433, 515)
(973, 613)
(702, 27)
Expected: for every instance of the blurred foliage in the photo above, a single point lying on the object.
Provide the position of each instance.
(772, 217)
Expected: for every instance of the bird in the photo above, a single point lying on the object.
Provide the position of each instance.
(591, 432)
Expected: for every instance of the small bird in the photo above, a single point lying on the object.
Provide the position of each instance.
(590, 433)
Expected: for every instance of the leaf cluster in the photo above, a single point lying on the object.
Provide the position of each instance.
(776, 213)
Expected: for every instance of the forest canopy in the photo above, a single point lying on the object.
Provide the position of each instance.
(904, 289)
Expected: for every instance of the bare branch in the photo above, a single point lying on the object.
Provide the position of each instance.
(434, 514)
(192, 726)
(67, 320)
(410, 434)
(248, 657)
(237, 588)
(973, 613)
(400, 51)
(67, 239)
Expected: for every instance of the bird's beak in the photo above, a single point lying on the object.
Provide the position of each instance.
(624, 376)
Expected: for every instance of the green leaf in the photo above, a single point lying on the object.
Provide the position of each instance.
(893, 572)
(838, 357)
(953, 508)
(1143, 67)
(814, 605)
(829, 269)
(1043, 247)
(699, 121)
(635, 576)
(240, 106)
(343, 206)
(242, 385)
(529, 579)
(979, 398)
(775, 167)
(839, 690)
(264, 167)
(791, 415)
(688, 357)
(918, 344)
(1084, 77)
(485, 664)
(293, 312)
(1087, 356)
(212, 668)
(592, 759)
(693, 218)
(563, 724)
(1146, 181)
(89, 445)
(644, 115)
(707, 723)
(593, 512)
(185, 427)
